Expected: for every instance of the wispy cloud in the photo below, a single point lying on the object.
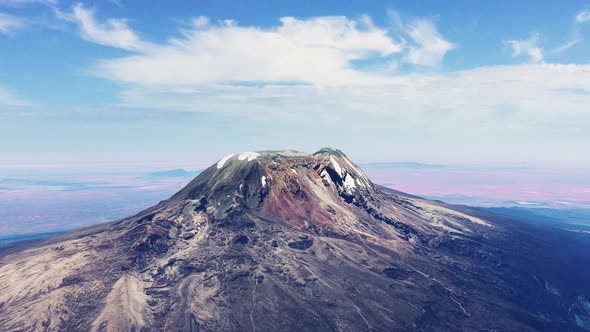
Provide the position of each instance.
(531, 47)
(423, 43)
(583, 16)
(431, 46)
(9, 23)
(527, 47)
(576, 38)
(581, 19)
(112, 32)
(527, 203)
(8, 98)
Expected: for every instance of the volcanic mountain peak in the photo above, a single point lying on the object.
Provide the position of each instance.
(287, 184)
(323, 192)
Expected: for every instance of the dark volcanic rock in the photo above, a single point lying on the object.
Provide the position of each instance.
(242, 239)
(285, 241)
(300, 244)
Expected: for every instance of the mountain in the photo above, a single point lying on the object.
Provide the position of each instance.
(288, 241)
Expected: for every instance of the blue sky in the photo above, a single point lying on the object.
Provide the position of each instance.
(184, 83)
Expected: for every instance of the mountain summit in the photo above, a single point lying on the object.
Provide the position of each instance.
(284, 240)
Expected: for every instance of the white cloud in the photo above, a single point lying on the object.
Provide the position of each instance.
(583, 16)
(533, 89)
(457, 112)
(302, 69)
(430, 47)
(527, 47)
(112, 32)
(318, 50)
(9, 23)
(423, 43)
(302, 72)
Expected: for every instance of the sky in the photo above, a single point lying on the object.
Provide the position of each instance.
(183, 83)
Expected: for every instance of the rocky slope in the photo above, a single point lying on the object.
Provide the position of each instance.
(274, 241)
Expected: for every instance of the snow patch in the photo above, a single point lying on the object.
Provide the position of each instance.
(361, 183)
(337, 167)
(248, 155)
(350, 164)
(324, 174)
(224, 160)
(349, 185)
(263, 181)
(294, 171)
(357, 170)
